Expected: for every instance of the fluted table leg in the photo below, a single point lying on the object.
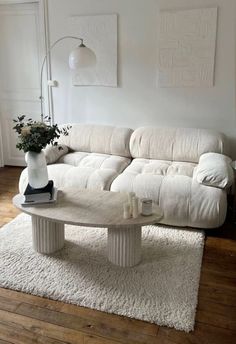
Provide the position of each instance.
(47, 236)
(124, 246)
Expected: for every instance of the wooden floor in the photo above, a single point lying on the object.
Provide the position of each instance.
(28, 319)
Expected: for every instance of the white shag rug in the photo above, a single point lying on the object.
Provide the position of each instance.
(162, 289)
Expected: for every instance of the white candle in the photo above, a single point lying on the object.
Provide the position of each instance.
(131, 195)
(127, 213)
(135, 211)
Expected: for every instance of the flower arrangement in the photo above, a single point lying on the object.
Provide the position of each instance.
(33, 136)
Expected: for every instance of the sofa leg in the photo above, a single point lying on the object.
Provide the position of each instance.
(124, 245)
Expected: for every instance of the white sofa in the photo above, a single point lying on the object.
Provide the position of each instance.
(185, 171)
(166, 168)
(92, 157)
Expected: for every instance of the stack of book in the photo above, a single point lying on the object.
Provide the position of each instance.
(32, 196)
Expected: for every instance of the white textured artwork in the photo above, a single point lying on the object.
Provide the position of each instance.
(100, 34)
(187, 43)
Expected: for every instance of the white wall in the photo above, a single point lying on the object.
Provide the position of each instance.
(138, 101)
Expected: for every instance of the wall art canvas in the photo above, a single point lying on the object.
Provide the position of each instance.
(186, 50)
(100, 34)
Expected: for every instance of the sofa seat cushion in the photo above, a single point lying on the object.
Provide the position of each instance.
(95, 160)
(161, 167)
(83, 170)
(184, 201)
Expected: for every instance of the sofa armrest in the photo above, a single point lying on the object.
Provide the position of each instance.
(53, 153)
(214, 170)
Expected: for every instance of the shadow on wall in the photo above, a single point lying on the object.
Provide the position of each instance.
(232, 147)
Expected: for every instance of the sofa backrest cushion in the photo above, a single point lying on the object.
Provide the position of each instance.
(98, 139)
(175, 144)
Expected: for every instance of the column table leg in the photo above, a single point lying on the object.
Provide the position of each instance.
(124, 245)
(47, 236)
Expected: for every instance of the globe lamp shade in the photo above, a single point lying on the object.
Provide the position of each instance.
(82, 57)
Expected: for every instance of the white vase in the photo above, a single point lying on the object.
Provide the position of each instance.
(37, 169)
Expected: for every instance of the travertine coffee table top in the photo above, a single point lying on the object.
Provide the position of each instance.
(92, 208)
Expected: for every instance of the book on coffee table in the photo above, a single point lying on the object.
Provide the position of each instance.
(40, 199)
(41, 194)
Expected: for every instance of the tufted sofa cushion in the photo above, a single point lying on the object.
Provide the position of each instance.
(176, 144)
(161, 167)
(98, 139)
(96, 154)
(83, 170)
(215, 170)
(96, 161)
(184, 201)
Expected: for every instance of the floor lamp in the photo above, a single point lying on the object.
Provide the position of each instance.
(80, 57)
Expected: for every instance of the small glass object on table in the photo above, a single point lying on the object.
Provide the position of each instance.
(146, 206)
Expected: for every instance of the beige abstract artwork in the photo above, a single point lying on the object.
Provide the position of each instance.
(186, 49)
(100, 35)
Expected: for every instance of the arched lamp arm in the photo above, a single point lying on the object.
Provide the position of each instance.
(43, 64)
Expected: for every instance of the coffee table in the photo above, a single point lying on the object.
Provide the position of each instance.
(91, 208)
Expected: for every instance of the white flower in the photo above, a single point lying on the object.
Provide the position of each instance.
(38, 125)
(25, 131)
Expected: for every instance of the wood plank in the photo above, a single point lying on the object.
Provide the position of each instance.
(19, 297)
(87, 313)
(216, 314)
(221, 246)
(219, 295)
(4, 342)
(96, 340)
(36, 329)
(8, 304)
(33, 329)
(92, 327)
(8, 188)
(19, 335)
(221, 257)
(224, 267)
(119, 322)
(62, 331)
(202, 334)
(214, 279)
(6, 198)
(10, 213)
